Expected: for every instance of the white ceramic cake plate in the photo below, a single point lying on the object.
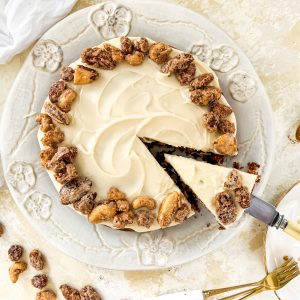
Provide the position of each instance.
(29, 183)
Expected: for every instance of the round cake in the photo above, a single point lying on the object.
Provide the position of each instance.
(95, 116)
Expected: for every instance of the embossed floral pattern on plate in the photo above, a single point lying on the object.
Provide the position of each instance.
(38, 205)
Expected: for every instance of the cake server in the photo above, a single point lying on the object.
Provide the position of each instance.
(268, 214)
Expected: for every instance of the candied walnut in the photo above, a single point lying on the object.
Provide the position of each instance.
(39, 281)
(221, 110)
(182, 213)
(134, 59)
(205, 95)
(225, 208)
(103, 212)
(145, 218)
(168, 209)
(46, 155)
(64, 153)
(86, 203)
(36, 259)
(242, 196)
(98, 57)
(16, 269)
(122, 219)
(15, 252)
(159, 52)
(56, 166)
(69, 292)
(85, 75)
(226, 144)
(233, 180)
(177, 63)
(225, 126)
(45, 121)
(201, 81)
(144, 201)
(67, 174)
(115, 194)
(56, 90)
(123, 205)
(67, 74)
(210, 121)
(126, 45)
(116, 54)
(185, 76)
(66, 99)
(46, 295)
(53, 137)
(74, 190)
(1, 229)
(141, 45)
(89, 293)
(56, 114)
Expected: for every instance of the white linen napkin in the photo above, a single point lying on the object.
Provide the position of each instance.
(23, 21)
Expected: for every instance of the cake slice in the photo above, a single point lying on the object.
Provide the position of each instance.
(226, 192)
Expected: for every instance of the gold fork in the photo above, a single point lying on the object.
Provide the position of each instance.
(273, 281)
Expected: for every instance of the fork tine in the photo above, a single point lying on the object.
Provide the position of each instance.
(284, 265)
(292, 267)
(289, 278)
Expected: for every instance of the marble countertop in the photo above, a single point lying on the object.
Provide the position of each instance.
(269, 34)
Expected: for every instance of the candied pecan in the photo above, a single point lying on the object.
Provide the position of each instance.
(221, 110)
(201, 81)
(67, 74)
(89, 293)
(64, 153)
(56, 90)
(74, 190)
(226, 144)
(66, 99)
(68, 174)
(45, 295)
(185, 76)
(103, 212)
(124, 218)
(45, 121)
(53, 137)
(15, 252)
(225, 208)
(116, 53)
(159, 52)
(242, 196)
(86, 203)
(126, 45)
(69, 292)
(145, 218)
(225, 126)
(210, 121)
(84, 75)
(56, 166)
(39, 281)
(56, 114)
(16, 269)
(177, 63)
(122, 205)
(98, 57)
(134, 59)
(182, 213)
(37, 259)
(141, 45)
(46, 155)
(205, 95)
(115, 194)
(252, 168)
(233, 180)
(1, 229)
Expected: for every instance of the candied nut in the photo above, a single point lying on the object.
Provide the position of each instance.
(177, 63)
(46, 295)
(1, 229)
(144, 201)
(221, 110)
(15, 252)
(67, 174)
(115, 194)
(252, 168)
(134, 59)
(56, 90)
(97, 57)
(201, 81)
(89, 293)
(64, 153)
(210, 121)
(123, 205)
(36, 259)
(233, 180)
(103, 212)
(182, 213)
(53, 137)
(39, 281)
(67, 74)
(45, 121)
(56, 114)
(225, 208)
(122, 219)
(168, 209)
(69, 292)
(242, 196)
(126, 45)
(116, 54)
(225, 126)
(16, 269)
(84, 75)
(66, 99)
(185, 76)
(74, 190)
(86, 203)
(46, 155)
(57, 166)
(205, 95)
(141, 45)
(226, 144)
(159, 52)
(145, 218)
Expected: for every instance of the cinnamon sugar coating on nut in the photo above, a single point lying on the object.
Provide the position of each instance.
(201, 81)
(56, 90)
(205, 95)
(226, 144)
(184, 77)
(177, 63)
(168, 209)
(242, 196)
(252, 167)
(103, 212)
(39, 281)
(46, 155)
(122, 219)
(69, 292)
(122, 205)
(55, 113)
(143, 201)
(221, 110)
(53, 137)
(115, 194)
(16, 269)
(127, 45)
(66, 99)
(86, 203)
(36, 259)
(145, 218)
(67, 174)
(67, 74)
(135, 58)
(142, 45)
(225, 208)
(225, 126)
(182, 213)
(85, 75)
(116, 54)
(159, 52)
(65, 153)
(89, 293)
(15, 252)
(210, 122)
(98, 57)
(45, 122)
(46, 295)
(233, 180)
